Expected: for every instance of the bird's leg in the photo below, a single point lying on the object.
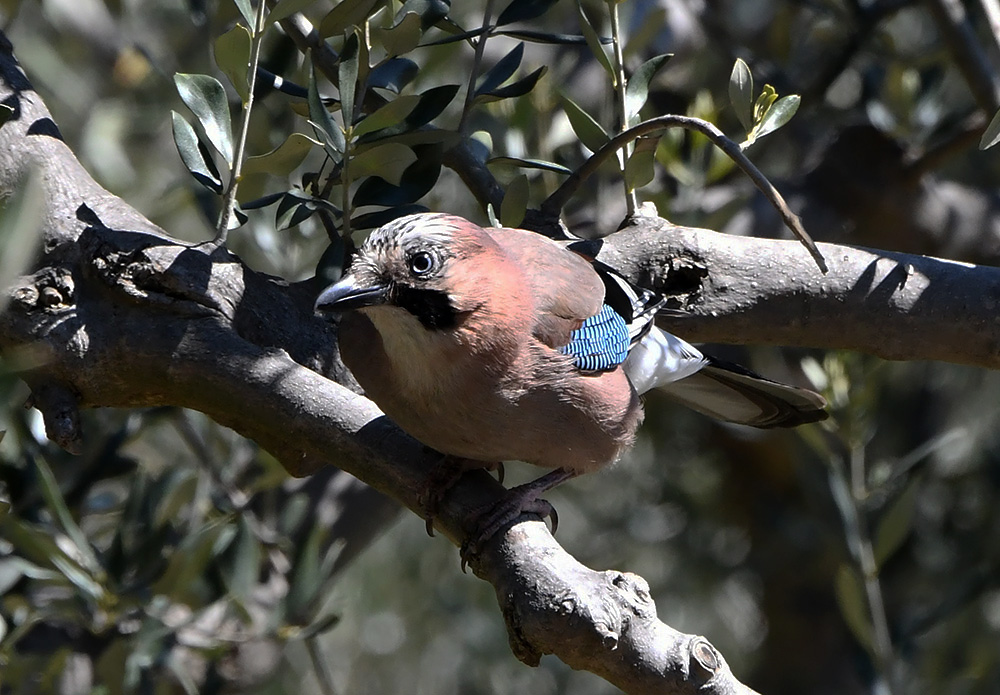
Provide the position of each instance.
(443, 477)
(519, 500)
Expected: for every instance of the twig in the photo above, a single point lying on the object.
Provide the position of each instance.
(477, 60)
(865, 555)
(229, 202)
(963, 43)
(631, 201)
(991, 8)
(318, 660)
(966, 136)
(555, 202)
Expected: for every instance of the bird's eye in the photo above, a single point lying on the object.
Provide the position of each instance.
(421, 263)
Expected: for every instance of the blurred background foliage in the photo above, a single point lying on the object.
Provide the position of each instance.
(858, 556)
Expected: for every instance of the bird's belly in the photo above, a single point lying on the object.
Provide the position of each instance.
(549, 415)
(543, 426)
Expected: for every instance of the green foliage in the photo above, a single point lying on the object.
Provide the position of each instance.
(590, 132)
(637, 91)
(763, 115)
(531, 164)
(523, 11)
(594, 42)
(331, 134)
(195, 154)
(896, 523)
(283, 159)
(515, 202)
(206, 98)
(640, 167)
(501, 72)
(232, 55)
(741, 93)
(154, 571)
(851, 600)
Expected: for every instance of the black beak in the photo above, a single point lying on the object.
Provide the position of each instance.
(348, 294)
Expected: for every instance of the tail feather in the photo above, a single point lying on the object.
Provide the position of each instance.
(732, 393)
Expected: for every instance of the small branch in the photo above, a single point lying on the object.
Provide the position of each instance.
(963, 44)
(745, 290)
(470, 92)
(555, 202)
(966, 136)
(864, 554)
(991, 8)
(306, 38)
(631, 200)
(229, 201)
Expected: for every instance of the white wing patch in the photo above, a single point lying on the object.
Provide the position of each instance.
(660, 358)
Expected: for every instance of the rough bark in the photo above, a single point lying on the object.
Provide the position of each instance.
(746, 290)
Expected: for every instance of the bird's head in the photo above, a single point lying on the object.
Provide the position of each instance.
(430, 265)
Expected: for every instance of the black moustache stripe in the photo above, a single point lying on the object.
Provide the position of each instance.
(431, 307)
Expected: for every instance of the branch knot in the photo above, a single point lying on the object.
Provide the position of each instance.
(705, 660)
(51, 289)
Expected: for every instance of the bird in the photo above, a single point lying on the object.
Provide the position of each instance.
(499, 344)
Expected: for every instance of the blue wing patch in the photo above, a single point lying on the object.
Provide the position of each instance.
(601, 343)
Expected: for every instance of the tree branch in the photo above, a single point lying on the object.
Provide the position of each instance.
(746, 290)
(555, 202)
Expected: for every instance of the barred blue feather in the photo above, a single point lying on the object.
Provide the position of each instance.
(601, 343)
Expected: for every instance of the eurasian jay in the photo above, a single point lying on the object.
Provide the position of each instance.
(493, 345)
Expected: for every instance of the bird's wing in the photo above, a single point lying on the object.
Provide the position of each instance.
(565, 288)
(637, 305)
(732, 393)
(659, 359)
(601, 343)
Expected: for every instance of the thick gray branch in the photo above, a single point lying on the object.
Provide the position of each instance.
(745, 290)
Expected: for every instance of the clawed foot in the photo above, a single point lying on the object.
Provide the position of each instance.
(523, 499)
(495, 518)
(444, 475)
